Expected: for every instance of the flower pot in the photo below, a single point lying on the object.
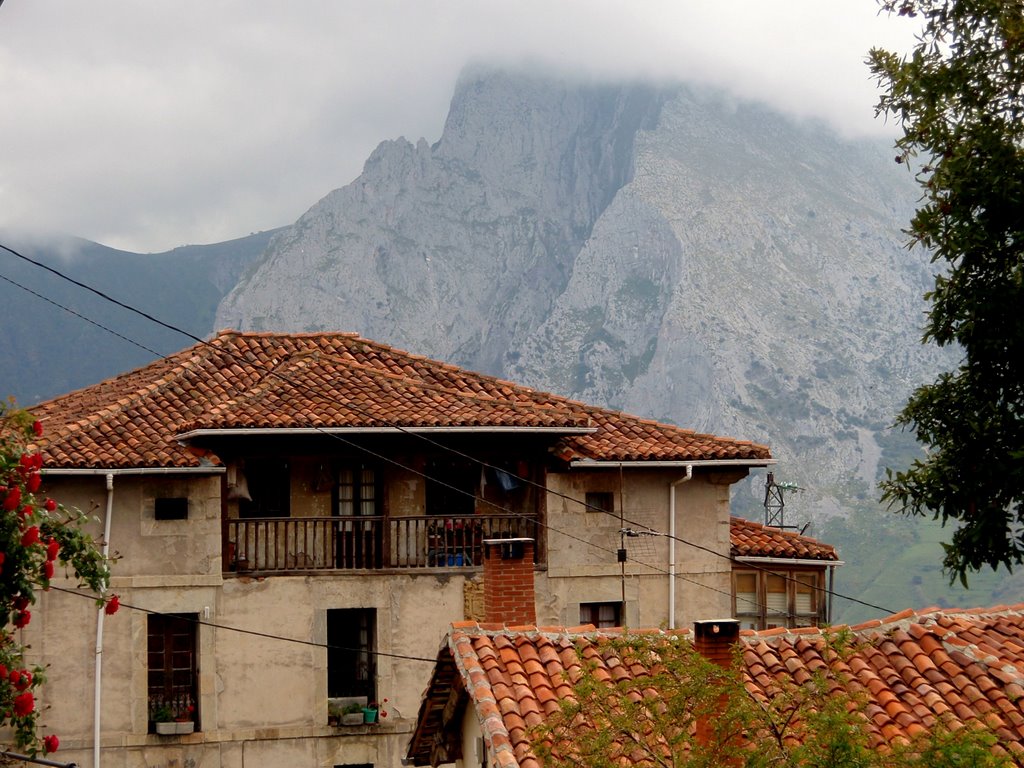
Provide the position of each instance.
(369, 715)
(352, 718)
(185, 726)
(166, 729)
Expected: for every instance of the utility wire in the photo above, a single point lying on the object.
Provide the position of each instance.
(309, 390)
(78, 314)
(240, 630)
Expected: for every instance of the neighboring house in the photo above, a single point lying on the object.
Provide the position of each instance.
(300, 517)
(780, 578)
(491, 685)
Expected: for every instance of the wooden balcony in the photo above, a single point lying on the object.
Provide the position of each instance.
(303, 544)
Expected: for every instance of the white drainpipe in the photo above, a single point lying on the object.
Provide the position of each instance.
(672, 544)
(105, 549)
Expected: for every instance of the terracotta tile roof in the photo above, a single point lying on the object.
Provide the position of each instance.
(959, 667)
(330, 380)
(750, 539)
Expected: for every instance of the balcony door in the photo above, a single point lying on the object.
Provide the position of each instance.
(360, 525)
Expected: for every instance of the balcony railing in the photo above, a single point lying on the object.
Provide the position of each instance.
(285, 544)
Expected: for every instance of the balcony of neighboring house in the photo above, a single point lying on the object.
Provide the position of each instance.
(353, 516)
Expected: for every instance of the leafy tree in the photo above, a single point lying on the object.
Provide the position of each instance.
(672, 708)
(36, 535)
(959, 99)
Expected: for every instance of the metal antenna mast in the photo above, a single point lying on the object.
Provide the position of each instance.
(775, 501)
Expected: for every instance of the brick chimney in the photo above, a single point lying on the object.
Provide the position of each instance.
(508, 582)
(714, 640)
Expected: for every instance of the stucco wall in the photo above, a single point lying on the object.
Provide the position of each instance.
(582, 546)
(263, 701)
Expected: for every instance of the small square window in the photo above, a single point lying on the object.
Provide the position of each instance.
(601, 615)
(171, 508)
(600, 501)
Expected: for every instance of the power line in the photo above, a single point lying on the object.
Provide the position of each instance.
(77, 314)
(316, 394)
(266, 635)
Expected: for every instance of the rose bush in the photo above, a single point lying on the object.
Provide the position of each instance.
(36, 535)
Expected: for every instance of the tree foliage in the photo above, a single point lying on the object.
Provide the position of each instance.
(959, 99)
(682, 711)
(37, 536)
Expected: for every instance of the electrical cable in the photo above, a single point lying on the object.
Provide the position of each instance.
(240, 630)
(431, 441)
(79, 315)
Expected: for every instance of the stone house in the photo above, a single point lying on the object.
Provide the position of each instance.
(780, 578)
(298, 518)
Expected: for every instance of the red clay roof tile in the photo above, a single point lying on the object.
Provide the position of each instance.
(750, 539)
(971, 686)
(336, 381)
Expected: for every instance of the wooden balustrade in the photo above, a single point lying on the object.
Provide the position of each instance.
(287, 544)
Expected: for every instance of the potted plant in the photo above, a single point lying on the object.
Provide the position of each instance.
(173, 717)
(184, 721)
(352, 714)
(373, 712)
(163, 720)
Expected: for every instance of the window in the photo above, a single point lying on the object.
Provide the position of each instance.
(808, 599)
(601, 615)
(360, 538)
(748, 610)
(778, 598)
(351, 667)
(600, 501)
(172, 670)
(171, 508)
(269, 488)
(452, 484)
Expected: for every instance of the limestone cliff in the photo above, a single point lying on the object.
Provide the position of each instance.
(676, 255)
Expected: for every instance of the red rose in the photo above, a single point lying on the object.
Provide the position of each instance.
(48, 569)
(112, 605)
(13, 499)
(24, 704)
(21, 679)
(33, 482)
(50, 744)
(20, 603)
(22, 619)
(30, 536)
(50, 505)
(52, 549)
(37, 427)
(3, 671)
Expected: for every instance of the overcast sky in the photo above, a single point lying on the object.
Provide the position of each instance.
(148, 125)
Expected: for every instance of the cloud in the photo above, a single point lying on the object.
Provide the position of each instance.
(145, 126)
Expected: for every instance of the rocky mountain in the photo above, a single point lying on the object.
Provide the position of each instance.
(673, 254)
(669, 252)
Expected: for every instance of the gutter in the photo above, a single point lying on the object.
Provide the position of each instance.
(786, 561)
(672, 544)
(261, 431)
(595, 464)
(101, 613)
(90, 471)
